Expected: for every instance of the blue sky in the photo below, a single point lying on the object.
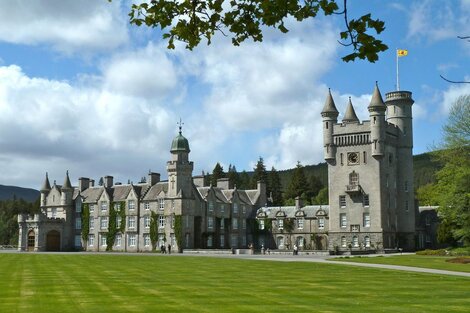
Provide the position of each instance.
(84, 91)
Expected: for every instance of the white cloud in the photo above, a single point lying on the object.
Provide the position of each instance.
(68, 25)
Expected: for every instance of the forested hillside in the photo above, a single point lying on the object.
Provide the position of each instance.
(9, 210)
(10, 192)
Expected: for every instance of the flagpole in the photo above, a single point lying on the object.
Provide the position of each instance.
(398, 82)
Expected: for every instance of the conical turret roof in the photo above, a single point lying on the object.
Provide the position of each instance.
(350, 115)
(67, 184)
(46, 186)
(376, 103)
(329, 108)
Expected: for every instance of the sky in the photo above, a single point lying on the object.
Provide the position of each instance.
(82, 90)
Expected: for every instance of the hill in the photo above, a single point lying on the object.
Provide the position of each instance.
(27, 194)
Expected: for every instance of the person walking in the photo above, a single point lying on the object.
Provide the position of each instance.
(169, 248)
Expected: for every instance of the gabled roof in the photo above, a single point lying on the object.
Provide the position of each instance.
(155, 190)
(92, 194)
(119, 192)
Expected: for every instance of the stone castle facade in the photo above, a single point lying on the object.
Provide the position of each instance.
(371, 199)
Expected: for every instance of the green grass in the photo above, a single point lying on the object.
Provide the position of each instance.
(154, 283)
(435, 262)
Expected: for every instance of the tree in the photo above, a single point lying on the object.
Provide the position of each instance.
(314, 187)
(259, 173)
(233, 176)
(274, 187)
(298, 185)
(217, 172)
(452, 189)
(322, 197)
(192, 21)
(244, 181)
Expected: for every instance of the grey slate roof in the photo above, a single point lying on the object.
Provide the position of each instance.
(350, 115)
(92, 194)
(377, 103)
(155, 190)
(309, 211)
(329, 108)
(46, 186)
(67, 184)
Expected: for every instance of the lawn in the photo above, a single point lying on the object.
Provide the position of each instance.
(436, 262)
(157, 283)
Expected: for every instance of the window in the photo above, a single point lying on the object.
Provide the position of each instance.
(406, 205)
(261, 224)
(366, 220)
(386, 180)
(103, 222)
(118, 221)
(364, 157)
(92, 208)
(209, 241)
(342, 201)
(235, 208)
(147, 206)
(243, 223)
(78, 241)
(300, 223)
(428, 220)
(186, 240)
(355, 242)
(147, 221)
(343, 242)
(78, 223)
(54, 212)
(390, 158)
(161, 240)
(321, 223)
(354, 179)
(365, 200)
(131, 205)
(300, 241)
(234, 241)
(280, 224)
(210, 222)
(161, 204)
(222, 208)
(222, 241)
(222, 222)
(280, 242)
(92, 223)
(91, 240)
(146, 240)
(131, 222)
(161, 221)
(341, 158)
(406, 186)
(342, 220)
(103, 240)
(117, 206)
(243, 209)
(78, 207)
(118, 240)
(186, 218)
(104, 206)
(173, 221)
(211, 207)
(243, 241)
(367, 241)
(132, 241)
(172, 204)
(234, 223)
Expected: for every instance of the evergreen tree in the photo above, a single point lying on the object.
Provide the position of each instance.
(217, 172)
(322, 196)
(233, 176)
(259, 173)
(274, 187)
(314, 186)
(244, 181)
(101, 181)
(298, 185)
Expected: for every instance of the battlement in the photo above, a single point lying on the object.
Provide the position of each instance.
(398, 95)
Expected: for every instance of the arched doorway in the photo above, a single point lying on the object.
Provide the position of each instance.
(53, 241)
(322, 242)
(31, 240)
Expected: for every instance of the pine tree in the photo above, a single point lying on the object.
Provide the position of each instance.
(298, 185)
(217, 173)
(259, 173)
(233, 176)
(274, 187)
(314, 186)
(244, 181)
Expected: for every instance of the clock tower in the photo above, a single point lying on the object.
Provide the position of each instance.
(369, 166)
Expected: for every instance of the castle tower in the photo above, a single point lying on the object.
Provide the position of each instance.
(399, 113)
(179, 168)
(67, 190)
(370, 175)
(330, 117)
(377, 110)
(46, 187)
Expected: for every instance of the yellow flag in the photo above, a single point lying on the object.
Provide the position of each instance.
(402, 53)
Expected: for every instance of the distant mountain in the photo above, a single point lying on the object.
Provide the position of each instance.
(27, 194)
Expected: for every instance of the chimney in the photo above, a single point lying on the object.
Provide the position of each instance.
(224, 183)
(198, 181)
(298, 203)
(108, 181)
(153, 178)
(262, 193)
(83, 183)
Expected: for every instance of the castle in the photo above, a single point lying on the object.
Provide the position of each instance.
(371, 199)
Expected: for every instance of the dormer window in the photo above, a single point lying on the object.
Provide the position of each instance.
(104, 206)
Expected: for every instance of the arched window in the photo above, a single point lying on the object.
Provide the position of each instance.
(367, 241)
(354, 179)
(343, 242)
(355, 242)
